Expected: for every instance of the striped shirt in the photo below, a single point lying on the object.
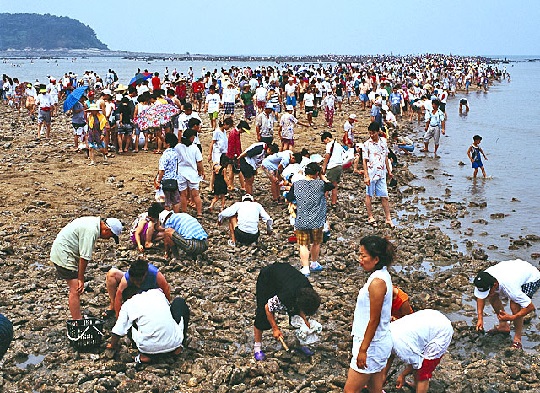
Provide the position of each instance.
(186, 226)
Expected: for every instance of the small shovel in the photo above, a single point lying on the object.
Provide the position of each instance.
(283, 343)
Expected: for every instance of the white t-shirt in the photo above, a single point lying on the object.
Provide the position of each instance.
(221, 143)
(336, 158)
(308, 99)
(348, 128)
(188, 156)
(248, 216)
(260, 93)
(157, 331)
(213, 102)
(229, 95)
(290, 89)
(511, 275)
(425, 334)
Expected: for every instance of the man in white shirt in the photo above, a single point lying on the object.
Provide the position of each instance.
(332, 165)
(515, 280)
(156, 326)
(420, 339)
(244, 221)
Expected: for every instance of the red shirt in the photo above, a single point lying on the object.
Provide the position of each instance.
(198, 87)
(235, 146)
(156, 83)
(181, 91)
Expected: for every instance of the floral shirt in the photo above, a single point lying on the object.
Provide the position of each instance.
(375, 153)
(287, 123)
(169, 163)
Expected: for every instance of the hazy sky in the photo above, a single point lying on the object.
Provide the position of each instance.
(483, 27)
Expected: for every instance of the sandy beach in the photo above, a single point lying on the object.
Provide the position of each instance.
(46, 185)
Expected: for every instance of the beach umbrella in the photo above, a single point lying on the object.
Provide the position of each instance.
(156, 116)
(139, 78)
(74, 97)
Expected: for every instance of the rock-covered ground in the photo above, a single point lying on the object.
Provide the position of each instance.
(46, 185)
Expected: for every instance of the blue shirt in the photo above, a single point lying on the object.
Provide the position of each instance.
(395, 98)
(186, 226)
(149, 282)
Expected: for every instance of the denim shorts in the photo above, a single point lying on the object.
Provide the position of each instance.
(377, 188)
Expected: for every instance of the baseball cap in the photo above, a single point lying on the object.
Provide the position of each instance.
(106, 91)
(115, 226)
(164, 215)
(352, 116)
(289, 108)
(247, 197)
(483, 283)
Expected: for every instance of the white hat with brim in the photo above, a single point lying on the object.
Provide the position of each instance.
(289, 108)
(115, 226)
(163, 216)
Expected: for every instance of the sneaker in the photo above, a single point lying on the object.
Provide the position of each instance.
(306, 351)
(315, 267)
(231, 243)
(259, 356)
(305, 271)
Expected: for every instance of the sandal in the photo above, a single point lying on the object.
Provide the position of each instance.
(517, 345)
(390, 224)
(199, 218)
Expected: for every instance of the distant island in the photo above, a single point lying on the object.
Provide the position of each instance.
(45, 32)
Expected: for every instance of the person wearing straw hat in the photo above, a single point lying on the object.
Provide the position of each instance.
(515, 280)
(73, 248)
(97, 128)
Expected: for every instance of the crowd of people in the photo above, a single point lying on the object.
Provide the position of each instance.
(106, 120)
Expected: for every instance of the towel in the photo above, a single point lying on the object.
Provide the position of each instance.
(306, 335)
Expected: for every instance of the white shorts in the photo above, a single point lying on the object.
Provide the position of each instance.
(377, 355)
(184, 184)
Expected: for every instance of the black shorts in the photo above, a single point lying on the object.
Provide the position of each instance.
(66, 274)
(246, 169)
(245, 238)
(463, 101)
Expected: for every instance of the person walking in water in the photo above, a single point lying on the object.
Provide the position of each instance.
(474, 152)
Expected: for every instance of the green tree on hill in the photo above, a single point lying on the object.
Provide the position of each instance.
(21, 31)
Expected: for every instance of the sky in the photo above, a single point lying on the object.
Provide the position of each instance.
(314, 27)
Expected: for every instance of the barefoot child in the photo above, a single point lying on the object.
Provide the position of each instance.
(474, 152)
(220, 186)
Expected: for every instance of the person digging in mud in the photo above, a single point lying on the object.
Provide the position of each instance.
(141, 275)
(420, 339)
(180, 231)
(73, 248)
(281, 287)
(157, 326)
(516, 280)
(244, 221)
